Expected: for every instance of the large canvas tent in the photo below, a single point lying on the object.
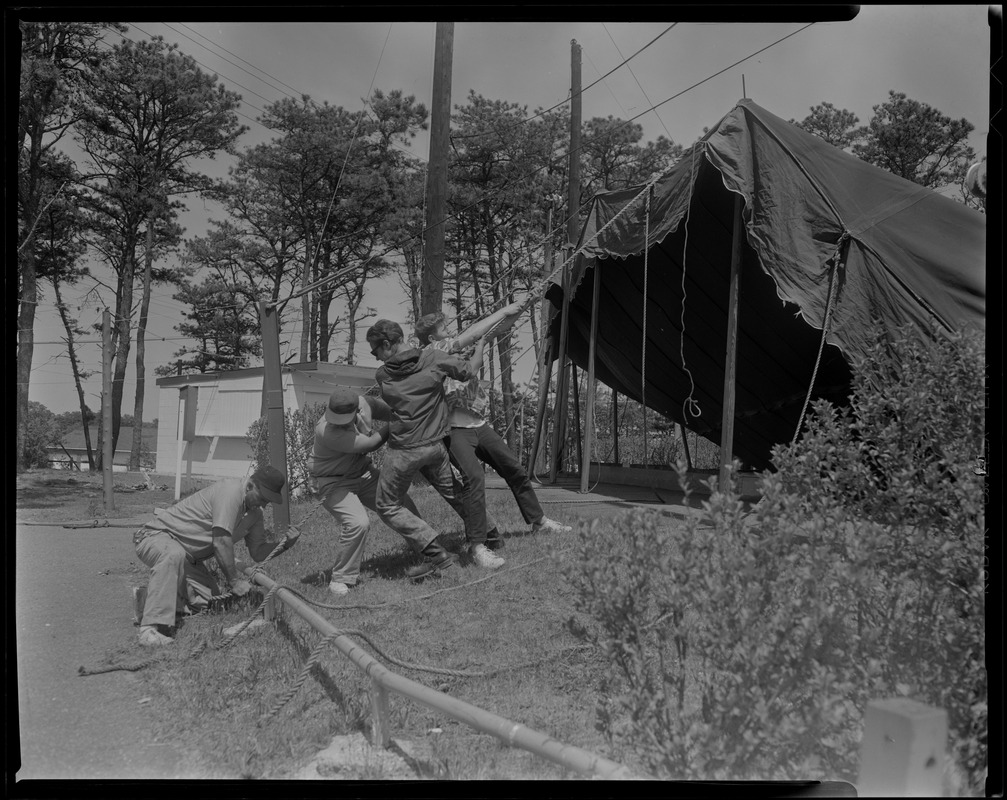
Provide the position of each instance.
(817, 223)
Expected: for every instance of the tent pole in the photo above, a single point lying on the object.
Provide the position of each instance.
(615, 427)
(576, 411)
(730, 365)
(685, 445)
(591, 385)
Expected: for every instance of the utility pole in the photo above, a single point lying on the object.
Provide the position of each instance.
(272, 407)
(432, 282)
(107, 454)
(572, 234)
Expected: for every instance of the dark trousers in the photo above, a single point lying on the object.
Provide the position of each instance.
(469, 449)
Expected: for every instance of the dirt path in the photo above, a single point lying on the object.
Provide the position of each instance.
(72, 606)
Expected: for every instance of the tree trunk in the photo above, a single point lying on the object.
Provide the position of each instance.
(141, 330)
(324, 329)
(305, 305)
(25, 344)
(28, 286)
(75, 367)
(121, 339)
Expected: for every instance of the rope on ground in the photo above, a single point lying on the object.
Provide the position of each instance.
(229, 638)
(134, 667)
(319, 649)
(376, 606)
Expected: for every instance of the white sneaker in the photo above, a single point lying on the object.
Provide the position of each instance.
(339, 588)
(151, 637)
(255, 624)
(486, 558)
(547, 525)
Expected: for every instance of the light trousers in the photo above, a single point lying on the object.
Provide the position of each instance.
(176, 579)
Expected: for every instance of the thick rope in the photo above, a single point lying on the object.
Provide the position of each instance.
(833, 282)
(320, 576)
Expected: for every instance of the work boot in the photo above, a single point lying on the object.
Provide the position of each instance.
(435, 558)
(494, 541)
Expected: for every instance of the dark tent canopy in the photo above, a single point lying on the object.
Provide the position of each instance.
(905, 255)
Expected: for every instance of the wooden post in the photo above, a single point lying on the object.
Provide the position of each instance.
(903, 749)
(544, 362)
(541, 422)
(381, 733)
(107, 453)
(685, 446)
(615, 427)
(180, 441)
(272, 400)
(572, 229)
(591, 387)
(576, 411)
(731, 361)
(432, 284)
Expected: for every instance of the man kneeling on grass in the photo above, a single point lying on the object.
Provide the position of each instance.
(412, 384)
(179, 538)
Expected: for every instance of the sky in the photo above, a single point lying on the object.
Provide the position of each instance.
(936, 54)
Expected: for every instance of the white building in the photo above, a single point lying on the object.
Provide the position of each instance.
(214, 427)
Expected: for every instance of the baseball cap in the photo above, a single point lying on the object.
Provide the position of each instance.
(270, 482)
(343, 404)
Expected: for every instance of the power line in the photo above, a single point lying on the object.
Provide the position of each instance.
(603, 25)
(584, 89)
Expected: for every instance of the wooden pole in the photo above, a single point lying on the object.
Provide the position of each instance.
(685, 446)
(272, 401)
(576, 411)
(731, 362)
(572, 229)
(107, 453)
(615, 428)
(591, 385)
(432, 284)
(180, 441)
(544, 362)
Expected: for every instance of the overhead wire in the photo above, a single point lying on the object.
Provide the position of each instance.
(566, 155)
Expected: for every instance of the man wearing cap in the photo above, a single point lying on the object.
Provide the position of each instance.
(345, 477)
(208, 523)
(412, 384)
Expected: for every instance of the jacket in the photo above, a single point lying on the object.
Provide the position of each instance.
(412, 384)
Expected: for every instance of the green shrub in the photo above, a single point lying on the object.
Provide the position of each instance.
(299, 433)
(746, 645)
(40, 432)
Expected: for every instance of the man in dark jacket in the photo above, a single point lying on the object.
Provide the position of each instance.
(412, 384)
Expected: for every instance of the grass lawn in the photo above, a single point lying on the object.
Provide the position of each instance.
(517, 617)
